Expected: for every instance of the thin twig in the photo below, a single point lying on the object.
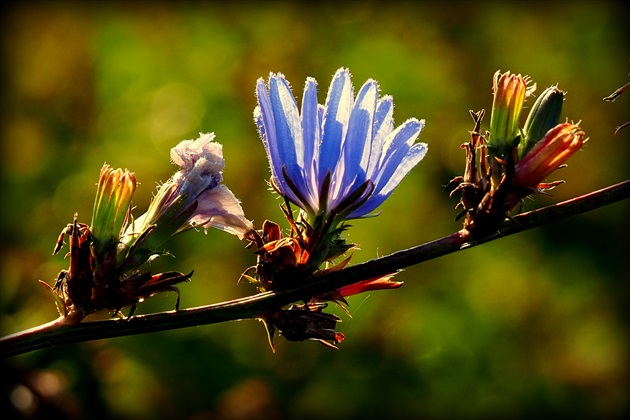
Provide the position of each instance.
(57, 332)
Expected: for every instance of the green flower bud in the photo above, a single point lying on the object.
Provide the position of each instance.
(544, 115)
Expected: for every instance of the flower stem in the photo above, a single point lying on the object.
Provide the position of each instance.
(58, 332)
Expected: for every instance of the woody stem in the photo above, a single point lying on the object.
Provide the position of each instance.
(58, 332)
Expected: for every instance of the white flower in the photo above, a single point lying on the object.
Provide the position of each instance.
(195, 195)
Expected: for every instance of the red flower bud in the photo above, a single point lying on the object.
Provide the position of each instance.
(547, 155)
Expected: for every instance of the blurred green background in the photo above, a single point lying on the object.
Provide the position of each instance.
(533, 324)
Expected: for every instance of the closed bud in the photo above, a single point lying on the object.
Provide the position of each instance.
(113, 198)
(558, 145)
(510, 91)
(544, 115)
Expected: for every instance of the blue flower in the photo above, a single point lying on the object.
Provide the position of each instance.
(341, 159)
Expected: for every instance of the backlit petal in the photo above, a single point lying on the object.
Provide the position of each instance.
(336, 115)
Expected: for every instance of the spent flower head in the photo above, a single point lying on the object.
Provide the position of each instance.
(193, 197)
(200, 179)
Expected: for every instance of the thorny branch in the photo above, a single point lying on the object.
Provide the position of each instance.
(58, 332)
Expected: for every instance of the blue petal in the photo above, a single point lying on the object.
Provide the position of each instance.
(311, 134)
(415, 154)
(270, 140)
(358, 144)
(336, 115)
(288, 129)
(383, 117)
(266, 125)
(383, 126)
(396, 147)
(316, 150)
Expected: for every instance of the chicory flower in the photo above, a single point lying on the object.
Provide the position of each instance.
(340, 159)
(336, 161)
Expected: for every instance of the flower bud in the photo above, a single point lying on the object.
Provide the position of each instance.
(111, 206)
(560, 143)
(544, 115)
(510, 91)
